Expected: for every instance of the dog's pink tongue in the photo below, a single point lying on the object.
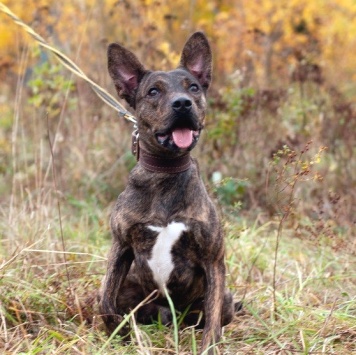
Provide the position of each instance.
(182, 137)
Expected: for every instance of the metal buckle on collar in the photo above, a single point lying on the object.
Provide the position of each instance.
(135, 147)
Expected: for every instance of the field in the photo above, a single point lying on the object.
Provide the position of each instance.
(277, 156)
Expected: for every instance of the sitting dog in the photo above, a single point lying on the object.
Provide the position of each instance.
(165, 228)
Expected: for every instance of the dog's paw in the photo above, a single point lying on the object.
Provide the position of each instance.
(165, 315)
(111, 323)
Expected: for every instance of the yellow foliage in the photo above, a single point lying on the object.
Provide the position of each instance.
(259, 36)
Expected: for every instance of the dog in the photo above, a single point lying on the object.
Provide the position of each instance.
(165, 228)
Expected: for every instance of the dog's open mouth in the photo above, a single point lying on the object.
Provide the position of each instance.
(181, 137)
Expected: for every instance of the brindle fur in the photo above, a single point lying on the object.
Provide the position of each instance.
(158, 199)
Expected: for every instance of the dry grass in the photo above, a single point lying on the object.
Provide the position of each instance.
(44, 311)
(55, 236)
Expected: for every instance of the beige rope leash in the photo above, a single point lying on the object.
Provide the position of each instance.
(69, 64)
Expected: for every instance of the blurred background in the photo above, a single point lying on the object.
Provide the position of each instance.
(284, 75)
(277, 155)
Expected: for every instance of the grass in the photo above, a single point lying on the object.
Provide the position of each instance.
(43, 311)
(305, 303)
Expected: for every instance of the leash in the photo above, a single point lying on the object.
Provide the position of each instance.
(149, 162)
(69, 64)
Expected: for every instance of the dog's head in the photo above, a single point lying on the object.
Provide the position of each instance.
(170, 106)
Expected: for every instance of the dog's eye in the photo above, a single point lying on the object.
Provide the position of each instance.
(153, 92)
(194, 88)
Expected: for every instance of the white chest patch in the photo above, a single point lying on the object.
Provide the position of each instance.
(161, 262)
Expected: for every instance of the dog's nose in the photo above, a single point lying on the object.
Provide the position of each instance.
(182, 105)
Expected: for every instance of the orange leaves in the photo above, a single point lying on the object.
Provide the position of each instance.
(268, 37)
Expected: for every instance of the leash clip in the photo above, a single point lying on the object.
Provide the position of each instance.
(135, 147)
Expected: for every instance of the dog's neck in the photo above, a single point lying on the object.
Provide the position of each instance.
(158, 164)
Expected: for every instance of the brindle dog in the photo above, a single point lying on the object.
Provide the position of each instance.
(166, 231)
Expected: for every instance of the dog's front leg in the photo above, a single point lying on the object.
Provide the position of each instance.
(119, 263)
(214, 296)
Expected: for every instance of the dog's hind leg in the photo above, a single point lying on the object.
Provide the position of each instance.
(228, 309)
(194, 315)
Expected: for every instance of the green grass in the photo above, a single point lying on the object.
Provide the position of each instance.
(44, 312)
(50, 272)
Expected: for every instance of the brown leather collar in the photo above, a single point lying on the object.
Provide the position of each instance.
(159, 164)
(164, 165)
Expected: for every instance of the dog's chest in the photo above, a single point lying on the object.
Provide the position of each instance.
(161, 261)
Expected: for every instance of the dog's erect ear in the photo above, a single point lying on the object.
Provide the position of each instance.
(197, 59)
(126, 71)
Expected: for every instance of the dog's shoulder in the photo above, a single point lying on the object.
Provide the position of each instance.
(158, 199)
